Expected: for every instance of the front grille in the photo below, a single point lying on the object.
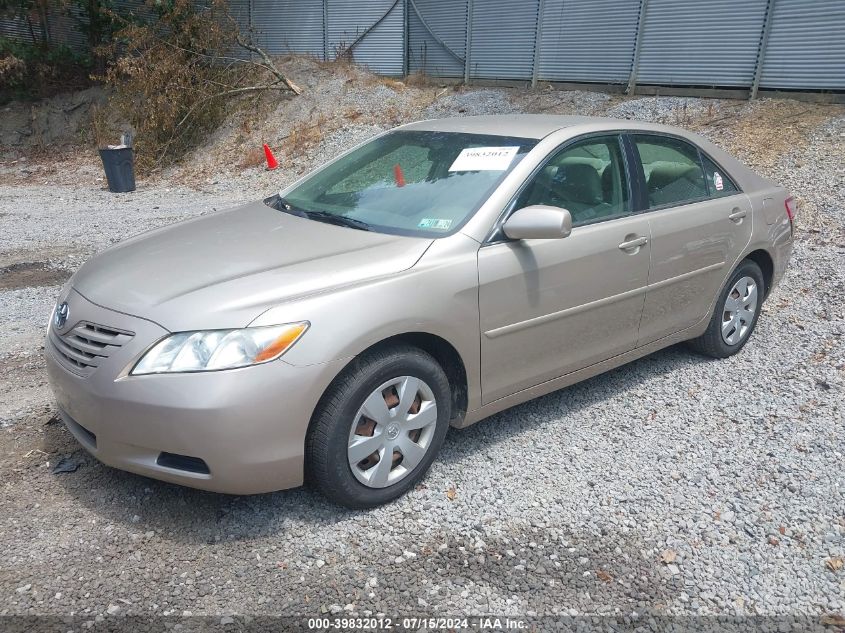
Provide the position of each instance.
(83, 348)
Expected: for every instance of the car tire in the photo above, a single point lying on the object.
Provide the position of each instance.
(730, 325)
(349, 418)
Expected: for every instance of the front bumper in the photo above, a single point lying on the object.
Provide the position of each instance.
(247, 425)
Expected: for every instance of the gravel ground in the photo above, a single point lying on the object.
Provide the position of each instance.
(674, 485)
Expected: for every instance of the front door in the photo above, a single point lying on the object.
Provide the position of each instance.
(700, 224)
(550, 307)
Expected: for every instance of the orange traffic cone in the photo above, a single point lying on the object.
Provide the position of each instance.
(398, 176)
(272, 163)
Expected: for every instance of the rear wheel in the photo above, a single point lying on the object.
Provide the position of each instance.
(735, 314)
(378, 427)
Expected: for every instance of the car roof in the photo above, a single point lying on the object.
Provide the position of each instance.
(539, 126)
(535, 126)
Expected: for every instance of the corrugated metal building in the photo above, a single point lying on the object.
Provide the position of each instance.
(569, 48)
(437, 34)
(805, 47)
(689, 44)
(502, 39)
(375, 31)
(281, 27)
(768, 44)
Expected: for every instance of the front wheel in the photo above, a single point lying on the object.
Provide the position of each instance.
(379, 427)
(735, 314)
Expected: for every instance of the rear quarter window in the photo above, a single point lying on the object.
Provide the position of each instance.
(719, 183)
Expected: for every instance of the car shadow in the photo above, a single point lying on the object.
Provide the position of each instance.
(188, 515)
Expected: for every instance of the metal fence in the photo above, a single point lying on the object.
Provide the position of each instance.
(748, 44)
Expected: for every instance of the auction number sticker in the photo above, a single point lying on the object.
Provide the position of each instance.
(484, 159)
(717, 180)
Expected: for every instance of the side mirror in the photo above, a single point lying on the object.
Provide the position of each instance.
(538, 222)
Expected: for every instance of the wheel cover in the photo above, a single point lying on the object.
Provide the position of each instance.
(738, 311)
(392, 432)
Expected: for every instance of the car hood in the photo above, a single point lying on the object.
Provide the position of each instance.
(224, 269)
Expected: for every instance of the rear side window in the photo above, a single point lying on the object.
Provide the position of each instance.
(719, 182)
(673, 173)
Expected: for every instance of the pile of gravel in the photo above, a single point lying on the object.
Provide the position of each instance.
(669, 110)
(470, 103)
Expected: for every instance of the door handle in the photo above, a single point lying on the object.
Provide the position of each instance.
(632, 244)
(737, 215)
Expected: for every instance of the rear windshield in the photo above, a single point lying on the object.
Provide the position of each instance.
(409, 183)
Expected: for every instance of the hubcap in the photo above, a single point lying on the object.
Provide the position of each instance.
(738, 313)
(392, 431)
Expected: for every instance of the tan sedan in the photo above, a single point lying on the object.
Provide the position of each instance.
(432, 276)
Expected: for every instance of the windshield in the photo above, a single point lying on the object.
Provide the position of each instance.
(409, 183)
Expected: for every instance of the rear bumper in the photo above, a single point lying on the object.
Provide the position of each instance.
(247, 425)
(782, 254)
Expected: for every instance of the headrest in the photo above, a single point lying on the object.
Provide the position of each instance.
(579, 183)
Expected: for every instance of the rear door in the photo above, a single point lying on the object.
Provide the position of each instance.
(700, 223)
(550, 307)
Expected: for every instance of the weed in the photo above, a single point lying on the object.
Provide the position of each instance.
(176, 74)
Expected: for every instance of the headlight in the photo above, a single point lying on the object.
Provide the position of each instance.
(219, 349)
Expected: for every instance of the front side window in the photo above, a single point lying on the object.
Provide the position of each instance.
(586, 178)
(409, 183)
(673, 173)
(719, 182)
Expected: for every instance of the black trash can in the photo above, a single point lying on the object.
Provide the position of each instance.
(120, 169)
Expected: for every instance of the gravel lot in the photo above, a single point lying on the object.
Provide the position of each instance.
(674, 485)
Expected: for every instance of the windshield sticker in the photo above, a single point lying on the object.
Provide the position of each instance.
(435, 223)
(484, 159)
(717, 180)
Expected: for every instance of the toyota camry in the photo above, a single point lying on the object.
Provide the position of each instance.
(428, 278)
